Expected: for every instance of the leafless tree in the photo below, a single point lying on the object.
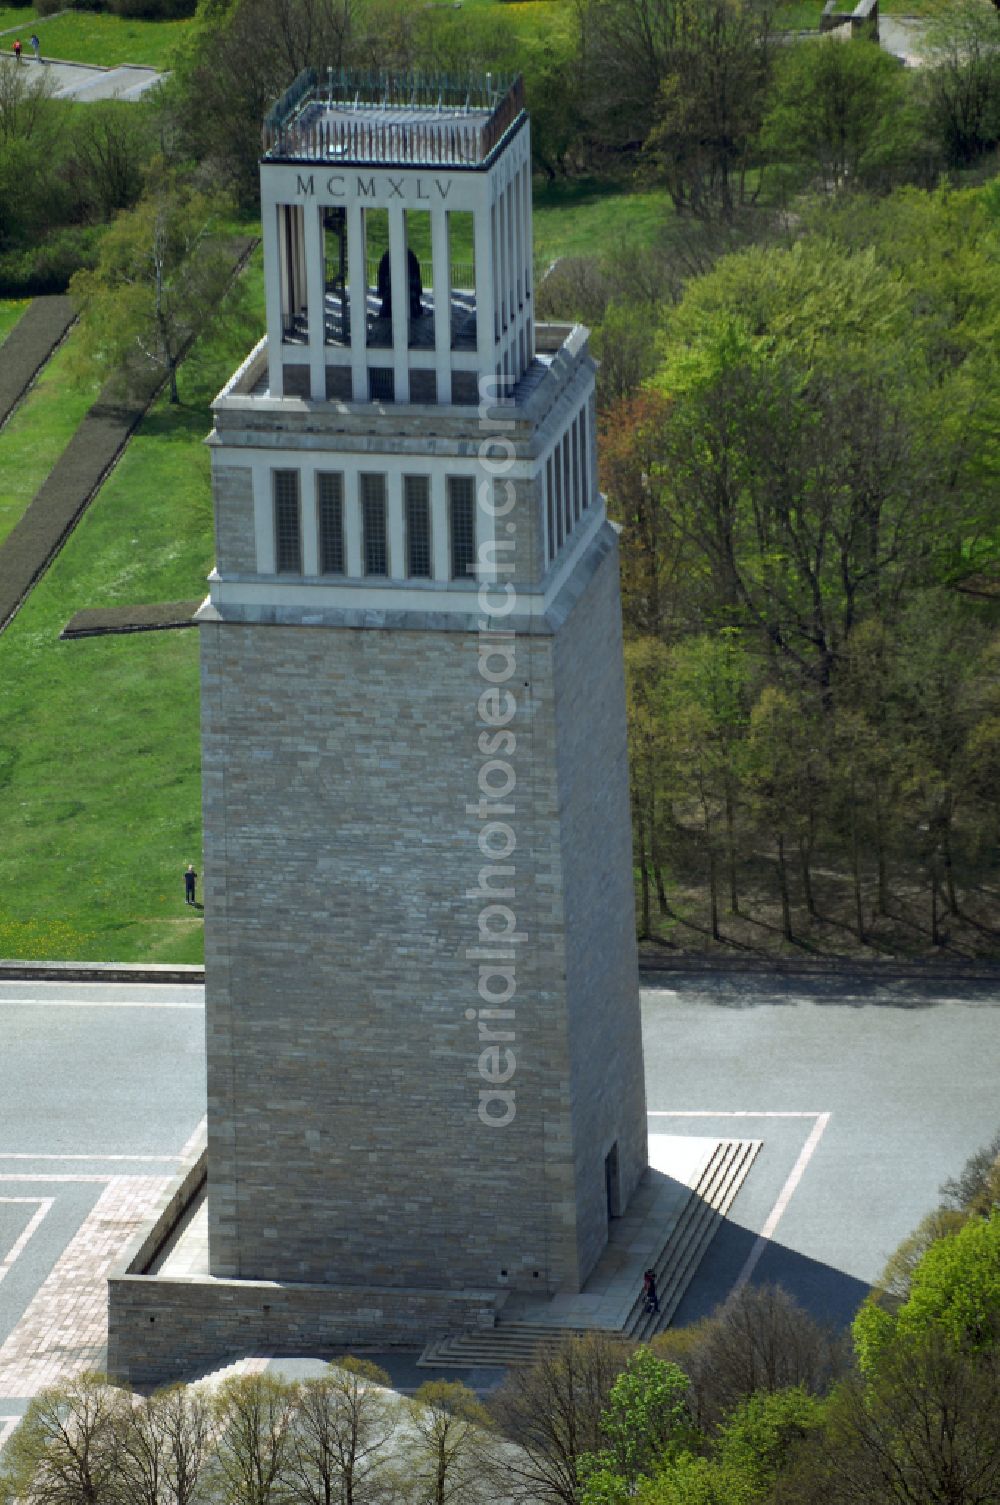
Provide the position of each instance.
(444, 1449)
(65, 1451)
(759, 1340)
(339, 1441)
(164, 1445)
(253, 1414)
(552, 1413)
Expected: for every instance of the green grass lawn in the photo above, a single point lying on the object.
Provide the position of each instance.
(15, 15)
(94, 37)
(99, 741)
(11, 310)
(593, 217)
(41, 428)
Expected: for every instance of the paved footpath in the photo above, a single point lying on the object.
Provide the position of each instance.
(81, 81)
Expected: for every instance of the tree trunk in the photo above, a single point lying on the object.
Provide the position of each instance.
(882, 899)
(734, 898)
(644, 917)
(859, 908)
(949, 869)
(713, 889)
(935, 929)
(805, 867)
(786, 908)
(661, 892)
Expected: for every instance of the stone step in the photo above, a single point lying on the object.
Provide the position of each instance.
(698, 1225)
(508, 1346)
(211, 1379)
(512, 1344)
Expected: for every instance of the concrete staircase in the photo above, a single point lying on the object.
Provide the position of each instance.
(514, 1343)
(700, 1221)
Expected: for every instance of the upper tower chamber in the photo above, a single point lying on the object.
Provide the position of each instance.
(397, 238)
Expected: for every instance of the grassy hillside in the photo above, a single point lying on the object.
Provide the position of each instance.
(99, 755)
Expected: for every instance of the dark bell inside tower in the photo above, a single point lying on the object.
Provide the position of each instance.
(335, 270)
(416, 286)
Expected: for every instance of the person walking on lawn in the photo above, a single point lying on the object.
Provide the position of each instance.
(190, 879)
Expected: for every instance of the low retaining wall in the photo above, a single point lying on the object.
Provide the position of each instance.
(163, 1328)
(863, 19)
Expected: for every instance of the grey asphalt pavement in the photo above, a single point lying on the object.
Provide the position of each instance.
(81, 81)
(100, 1088)
(906, 1072)
(866, 1097)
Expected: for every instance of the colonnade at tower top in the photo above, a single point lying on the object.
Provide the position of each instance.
(397, 239)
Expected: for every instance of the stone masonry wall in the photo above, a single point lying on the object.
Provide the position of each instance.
(235, 544)
(602, 985)
(163, 1330)
(345, 1144)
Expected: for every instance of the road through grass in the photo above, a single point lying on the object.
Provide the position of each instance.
(39, 431)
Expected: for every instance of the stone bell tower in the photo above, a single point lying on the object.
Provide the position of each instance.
(424, 1060)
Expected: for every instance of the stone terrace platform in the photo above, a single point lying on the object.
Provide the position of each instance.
(164, 1302)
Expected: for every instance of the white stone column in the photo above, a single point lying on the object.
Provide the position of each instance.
(501, 255)
(352, 524)
(394, 505)
(519, 235)
(357, 279)
(440, 540)
(310, 522)
(529, 271)
(400, 302)
(509, 201)
(270, 220)
(313, 256)
(441, 281)
(485, 297)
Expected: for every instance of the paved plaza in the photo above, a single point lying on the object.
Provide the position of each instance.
(81, 82)
(866, 1097)
(100, 1088)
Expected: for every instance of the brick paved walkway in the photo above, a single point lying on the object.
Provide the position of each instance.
(64, 1329)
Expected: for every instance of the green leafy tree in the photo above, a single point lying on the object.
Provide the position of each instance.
(843, 113)
(921, 1430)
(705, 712)
(961, 82)
(161, 273)
(709, 104)
(646, 1418)
(32, 140)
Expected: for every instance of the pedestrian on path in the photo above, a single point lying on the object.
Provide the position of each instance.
(36, 48)
(190, 879)
(17, 48)
(649, 1289)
